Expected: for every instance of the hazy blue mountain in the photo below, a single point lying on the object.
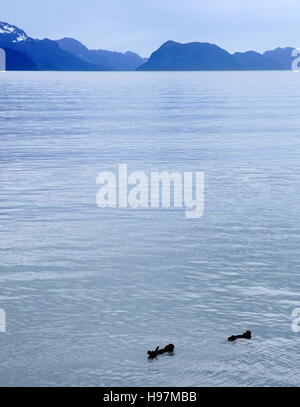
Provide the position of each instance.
(68, 54)
(204, 56)
(18, 61)
(127, 61)
(45, 54)
(191, 56)
(252, 60)
(282, 56)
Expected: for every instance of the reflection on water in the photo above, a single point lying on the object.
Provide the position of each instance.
(88, 291)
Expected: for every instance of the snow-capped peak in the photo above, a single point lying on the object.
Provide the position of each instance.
(16, 34)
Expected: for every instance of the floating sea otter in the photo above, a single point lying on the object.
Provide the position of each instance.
(246, 335)
(167, 349)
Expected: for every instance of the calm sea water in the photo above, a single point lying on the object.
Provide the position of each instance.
(88, 291)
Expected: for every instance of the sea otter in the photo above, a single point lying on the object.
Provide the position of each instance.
(246, 335)
(167, 349)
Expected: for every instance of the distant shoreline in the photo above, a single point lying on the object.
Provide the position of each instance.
(24, 53)
(140, 71)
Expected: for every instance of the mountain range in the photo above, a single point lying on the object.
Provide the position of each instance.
(119, 61)
(173, 56)
(68, 54)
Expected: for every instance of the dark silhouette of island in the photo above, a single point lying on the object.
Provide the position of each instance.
(68, 54)
(194, 56)
(252, 60)
(282, 56)
(203, 56)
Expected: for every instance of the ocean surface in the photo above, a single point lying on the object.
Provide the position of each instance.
(87, 291)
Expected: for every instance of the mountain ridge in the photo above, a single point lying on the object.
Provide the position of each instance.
(69, 54)
(206, 56)
(45, 54)
(127, 61)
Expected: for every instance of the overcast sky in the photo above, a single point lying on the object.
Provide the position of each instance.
(143, 25)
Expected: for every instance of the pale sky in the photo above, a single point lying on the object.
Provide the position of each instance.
(143, 25)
